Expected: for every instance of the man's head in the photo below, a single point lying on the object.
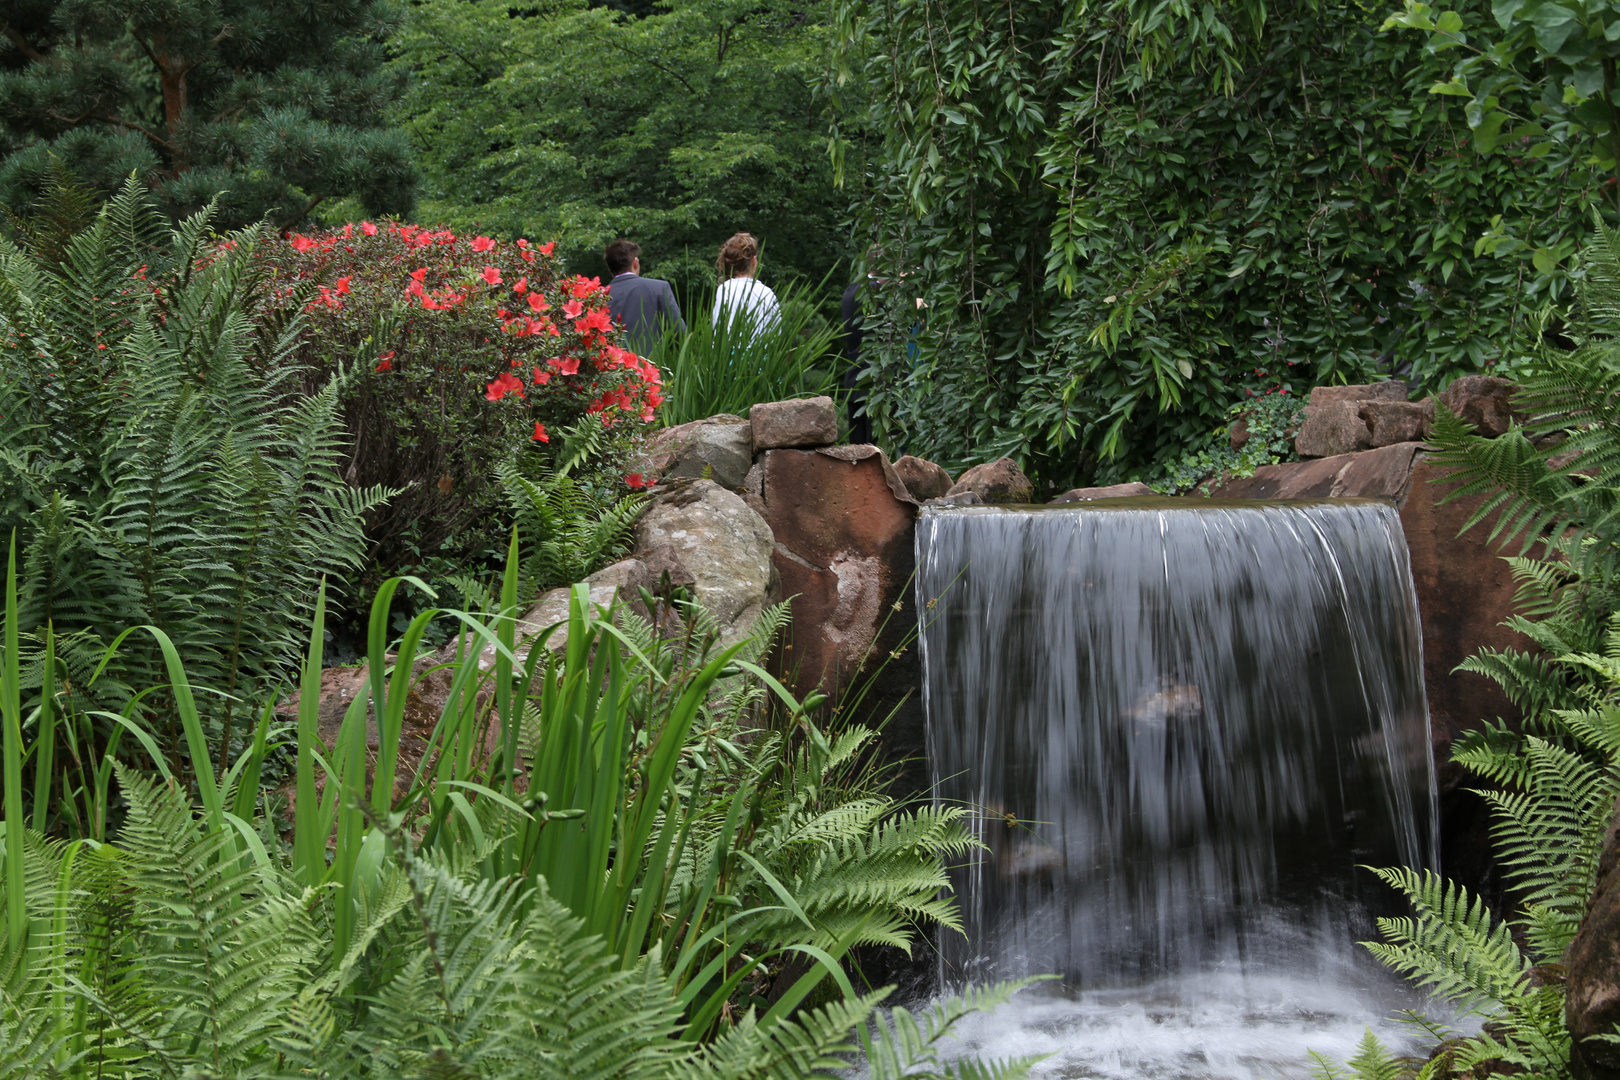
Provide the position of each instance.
(622, 256)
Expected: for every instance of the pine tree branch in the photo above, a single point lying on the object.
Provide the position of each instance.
(21, 42)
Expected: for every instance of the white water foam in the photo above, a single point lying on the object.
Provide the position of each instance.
(1210, 1027)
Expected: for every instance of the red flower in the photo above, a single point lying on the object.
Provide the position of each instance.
(368, 228)
(420, 274)
(537, 302)
(545, 249)
(540, 432)
(415, 288)
(302, 243)
(541, 377)
(483, 243)
(523, 242)
(579, 286)
(573, 309)
(568, 365)
(385, 364)
(522, 286)
(491, 276)
(635, 480)
(505, 383)
(342, 284)
(598, 320)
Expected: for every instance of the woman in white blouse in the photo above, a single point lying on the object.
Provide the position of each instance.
(741, 294)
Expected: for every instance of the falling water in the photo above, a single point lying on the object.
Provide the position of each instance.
(1182, 726)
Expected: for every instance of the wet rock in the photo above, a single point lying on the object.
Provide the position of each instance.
(1332, 428)
(719, 448)
(966, 498)
(1000, 481)
(1112, 491)
(843, 524)
(1485, 401)
(801, 422)
(1592, 969)
(1391, 422)
(923, 479)
(711, 539)
(1390, 390)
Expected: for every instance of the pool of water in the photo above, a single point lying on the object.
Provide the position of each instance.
(1207, 1027)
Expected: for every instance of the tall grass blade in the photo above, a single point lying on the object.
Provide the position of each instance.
(11, 716)
(45, 743)
(309, 862)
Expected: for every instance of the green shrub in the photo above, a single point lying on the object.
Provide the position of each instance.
(730, 365)
(157, 468)
(468, 354)
(595, 857)
(1269, 421)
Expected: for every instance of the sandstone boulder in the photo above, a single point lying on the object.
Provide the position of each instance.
(1112, 491)
(1592, 965)
(1332, 427)
(1484, 401)
(843, 524)
(1000, 481)
(923, 479)
(1391, 422)
(709, 538)
(800, 422)
(1391, 390)
(720, 448)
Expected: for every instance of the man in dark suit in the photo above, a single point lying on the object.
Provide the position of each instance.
(643, 306)
(860, 427)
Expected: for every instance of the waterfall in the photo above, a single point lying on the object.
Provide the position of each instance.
(1182, 725)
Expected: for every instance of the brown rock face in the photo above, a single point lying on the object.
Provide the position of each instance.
(923, 479)
(1394, 422)
(844, 553)
(1392, 390)
(801, 422)
(1113, 491)
(1592, 990)
(1333, 428)
(1484, 401)
(1383, 473)
(1000, 481)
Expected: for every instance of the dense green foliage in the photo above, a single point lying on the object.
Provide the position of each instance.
(641, 871)
(729, 364)
(576, 122)
(267, 107)
(157, 468)
(1121, 217)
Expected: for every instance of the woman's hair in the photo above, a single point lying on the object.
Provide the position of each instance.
(736, 254)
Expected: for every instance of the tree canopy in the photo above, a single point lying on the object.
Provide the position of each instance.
(1120, 222)
(582, 124)
(278, 106)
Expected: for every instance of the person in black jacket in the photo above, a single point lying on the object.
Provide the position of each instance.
(860, 426)
(643, 306)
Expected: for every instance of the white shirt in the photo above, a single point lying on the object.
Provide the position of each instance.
(747, 298)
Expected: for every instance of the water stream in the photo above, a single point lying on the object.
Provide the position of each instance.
(1182, 726)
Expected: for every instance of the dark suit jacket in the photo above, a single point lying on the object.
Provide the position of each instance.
(644, 306)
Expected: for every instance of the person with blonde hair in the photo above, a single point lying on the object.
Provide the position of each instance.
(741, 294)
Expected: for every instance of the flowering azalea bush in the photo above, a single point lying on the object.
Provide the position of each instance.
(468, 352)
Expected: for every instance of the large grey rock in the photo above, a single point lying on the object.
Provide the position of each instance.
(1332, 428)
(704, 533)
(800, 422)
(1112, 491)
(999, 481)
(923, 479)
(1392, 390)
(719, 448)
(622, 580)
(1485, 401)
